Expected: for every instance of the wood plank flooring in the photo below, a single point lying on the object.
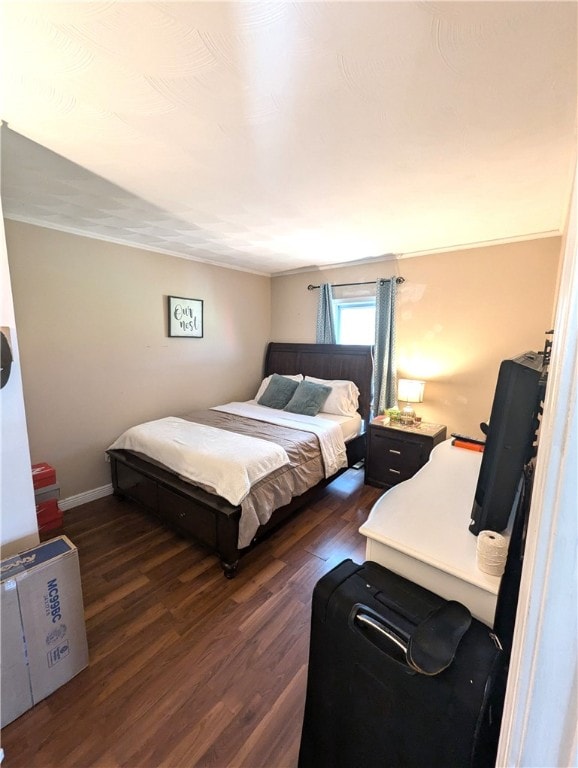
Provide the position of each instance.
(187, 668)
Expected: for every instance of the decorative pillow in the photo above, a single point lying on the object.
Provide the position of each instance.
(308, 399)
(279, 392)
(344, 397)
(265, 383)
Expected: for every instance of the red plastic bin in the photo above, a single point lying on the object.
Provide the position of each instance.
(43, 474)
(48, 515)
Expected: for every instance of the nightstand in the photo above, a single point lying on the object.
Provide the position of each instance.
(395, 452)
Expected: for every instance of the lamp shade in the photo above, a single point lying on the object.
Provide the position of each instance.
(410, 390)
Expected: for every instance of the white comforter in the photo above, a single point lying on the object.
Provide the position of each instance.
(225, 461)
(330, 436)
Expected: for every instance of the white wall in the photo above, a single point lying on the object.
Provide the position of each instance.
(95, 351)
(459, 315)
(18, 526)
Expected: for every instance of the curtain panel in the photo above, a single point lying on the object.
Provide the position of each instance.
(385, 372)
(325, 332)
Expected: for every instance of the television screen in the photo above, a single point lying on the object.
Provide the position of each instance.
(511, 433)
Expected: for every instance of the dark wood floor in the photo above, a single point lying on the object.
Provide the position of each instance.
(186, 668)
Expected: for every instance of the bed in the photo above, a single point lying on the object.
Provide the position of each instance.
(196, 511)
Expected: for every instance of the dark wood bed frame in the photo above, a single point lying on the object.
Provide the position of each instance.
(211, 520)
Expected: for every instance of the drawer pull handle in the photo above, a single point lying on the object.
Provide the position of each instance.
(395, 471)
(397, 453)
(182, 514)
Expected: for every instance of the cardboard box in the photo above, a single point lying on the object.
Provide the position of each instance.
(43, 474)
(16, 693)
(43, 643)
(48, 515)
(47, 492)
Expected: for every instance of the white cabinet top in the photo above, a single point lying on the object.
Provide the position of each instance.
(427, 517)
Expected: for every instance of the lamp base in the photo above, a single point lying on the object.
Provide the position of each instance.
(407, 416)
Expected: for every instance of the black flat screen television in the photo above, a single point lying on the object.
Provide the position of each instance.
(510, 437)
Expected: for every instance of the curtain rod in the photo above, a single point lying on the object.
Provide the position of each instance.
(382, 280)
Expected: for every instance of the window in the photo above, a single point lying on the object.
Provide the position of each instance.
(355, 321)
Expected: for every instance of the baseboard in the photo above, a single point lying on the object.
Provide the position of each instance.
(83, 498)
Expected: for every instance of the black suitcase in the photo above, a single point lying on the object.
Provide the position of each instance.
(398, 676)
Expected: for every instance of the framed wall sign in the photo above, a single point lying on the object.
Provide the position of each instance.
(185, 317)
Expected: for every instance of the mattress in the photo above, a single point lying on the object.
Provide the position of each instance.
(350, 425)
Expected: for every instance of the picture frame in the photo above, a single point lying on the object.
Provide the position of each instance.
(185, 317)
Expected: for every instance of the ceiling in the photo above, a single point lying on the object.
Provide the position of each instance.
(274, 136)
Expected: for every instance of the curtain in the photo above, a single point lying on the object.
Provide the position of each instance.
(384, 376)
(325, 316)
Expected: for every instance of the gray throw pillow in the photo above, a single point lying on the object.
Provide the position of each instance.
(308, 398)
(278, 393)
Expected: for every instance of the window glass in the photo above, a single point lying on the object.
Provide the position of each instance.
(355, 321)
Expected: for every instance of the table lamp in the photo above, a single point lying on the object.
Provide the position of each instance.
(409, 391)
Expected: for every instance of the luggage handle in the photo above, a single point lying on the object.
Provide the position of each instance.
(431, 646)
(397, 648)
(369, 621)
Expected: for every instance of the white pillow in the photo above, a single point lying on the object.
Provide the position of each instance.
(344, 397)
(265, 383)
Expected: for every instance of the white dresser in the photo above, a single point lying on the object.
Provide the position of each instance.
(419, 529)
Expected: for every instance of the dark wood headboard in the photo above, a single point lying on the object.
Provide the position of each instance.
(353, 362)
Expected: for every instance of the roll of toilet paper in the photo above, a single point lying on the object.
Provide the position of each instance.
(491, 551)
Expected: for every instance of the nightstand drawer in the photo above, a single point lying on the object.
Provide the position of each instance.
(391, 475)
(399, 452)
(390, 468)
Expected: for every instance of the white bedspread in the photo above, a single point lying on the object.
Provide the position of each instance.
(225, 461)
(330, 436)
